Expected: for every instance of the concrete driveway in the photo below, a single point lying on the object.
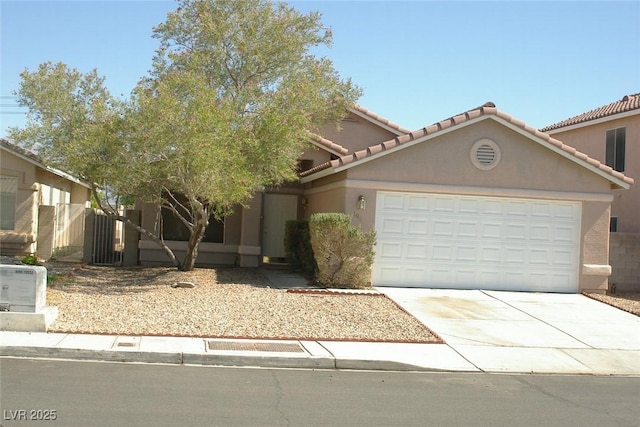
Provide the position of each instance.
(528, 332)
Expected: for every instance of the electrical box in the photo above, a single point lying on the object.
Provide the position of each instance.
(22, 288)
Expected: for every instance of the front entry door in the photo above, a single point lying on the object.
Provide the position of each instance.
(278, 209)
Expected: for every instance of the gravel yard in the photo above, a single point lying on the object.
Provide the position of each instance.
(227, 302)
(627, 301)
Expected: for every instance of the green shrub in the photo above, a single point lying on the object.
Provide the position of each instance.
(30, 259)
(297, 244)
(343, 253)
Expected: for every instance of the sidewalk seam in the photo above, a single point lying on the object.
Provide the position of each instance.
(333, 356)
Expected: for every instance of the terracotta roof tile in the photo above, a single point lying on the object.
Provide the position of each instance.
(11, 146)
(328, 144)
(39, 161)
(627, 103)
(487, 109)
(315, 169)
(380, 119)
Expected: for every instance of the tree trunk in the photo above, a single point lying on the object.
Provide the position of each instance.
(167, 250)
(112, 213)
(197, 233)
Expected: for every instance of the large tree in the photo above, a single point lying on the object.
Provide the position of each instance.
(225, 112)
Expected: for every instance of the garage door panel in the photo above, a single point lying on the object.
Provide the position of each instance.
(468, 230)
(392, 202)
(476, 242)
(417, 251)
(443, 228)
(392, 225)
(417, 226)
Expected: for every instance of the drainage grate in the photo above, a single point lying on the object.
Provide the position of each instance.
(126, 344)
(255, 346)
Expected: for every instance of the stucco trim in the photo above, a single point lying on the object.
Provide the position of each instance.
(180, 245)
(596, 270)
(249, 250)
(464, 190)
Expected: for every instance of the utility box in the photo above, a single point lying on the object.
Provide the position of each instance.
(22, 288)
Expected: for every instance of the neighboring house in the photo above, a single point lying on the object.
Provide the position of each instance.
(611, 134)
(480, 200)
(35, 205)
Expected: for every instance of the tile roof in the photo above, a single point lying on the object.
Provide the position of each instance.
(486, 110)
(627, 103)
(328, 144)
(38, 161)
(16, 148)
(381, 120)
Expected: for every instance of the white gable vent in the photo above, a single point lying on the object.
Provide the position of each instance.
(485, 154)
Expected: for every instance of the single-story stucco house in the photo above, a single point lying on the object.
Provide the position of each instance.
(34, 208)
(479, 200)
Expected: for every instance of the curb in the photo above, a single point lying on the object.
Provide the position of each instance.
(227, 360)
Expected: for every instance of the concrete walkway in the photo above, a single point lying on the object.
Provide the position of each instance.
(483, 330)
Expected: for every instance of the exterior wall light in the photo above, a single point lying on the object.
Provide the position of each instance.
(362, 203)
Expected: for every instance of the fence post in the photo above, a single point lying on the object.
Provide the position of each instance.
(89, 235)
(46, 231)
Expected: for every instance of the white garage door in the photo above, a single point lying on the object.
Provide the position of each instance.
(470, 242)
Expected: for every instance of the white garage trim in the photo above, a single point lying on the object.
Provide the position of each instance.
(461, 189)
(476, 242)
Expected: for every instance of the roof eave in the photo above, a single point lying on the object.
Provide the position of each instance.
(320, 174)
(47, 168)
(327, 149)
(592, 122)
(376, 122)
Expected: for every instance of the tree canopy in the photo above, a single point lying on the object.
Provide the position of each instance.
(225, 111)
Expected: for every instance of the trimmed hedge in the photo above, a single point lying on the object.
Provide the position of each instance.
(343, 253)
(297, 244)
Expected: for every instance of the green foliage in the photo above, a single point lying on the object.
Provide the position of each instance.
(30, 259)
(224, 113)
(343, 253)
(52, 278)
(297, 243)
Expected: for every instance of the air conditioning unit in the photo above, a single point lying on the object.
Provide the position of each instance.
(22, 288)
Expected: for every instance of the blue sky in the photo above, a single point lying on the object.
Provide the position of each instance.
(418, 62)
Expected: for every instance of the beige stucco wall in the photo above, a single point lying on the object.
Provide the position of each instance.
(443, 164)
(241, 244)
(591, 140)
(355, 133)
(625, 261)
(32, 182)
(316, 156)
(22, 239)
(446, 160)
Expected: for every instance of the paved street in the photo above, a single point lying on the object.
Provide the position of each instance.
(107, 394)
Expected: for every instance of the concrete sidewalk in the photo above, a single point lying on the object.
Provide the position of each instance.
(235, 352)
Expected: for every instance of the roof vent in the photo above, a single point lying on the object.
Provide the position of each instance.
(485, 154)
